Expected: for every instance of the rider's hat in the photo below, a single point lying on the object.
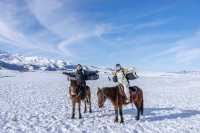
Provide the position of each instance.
(78, 66)
(118, 67)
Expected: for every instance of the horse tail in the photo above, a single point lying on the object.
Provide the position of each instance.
(142, 104)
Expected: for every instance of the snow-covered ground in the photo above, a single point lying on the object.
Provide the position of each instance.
(38, 102)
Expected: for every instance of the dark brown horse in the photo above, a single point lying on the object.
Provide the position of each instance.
(115, 95)
(75, 98)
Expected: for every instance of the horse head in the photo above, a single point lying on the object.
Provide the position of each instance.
(72, 87)
(101, 97)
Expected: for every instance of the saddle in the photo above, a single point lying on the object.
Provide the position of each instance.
(132, 90)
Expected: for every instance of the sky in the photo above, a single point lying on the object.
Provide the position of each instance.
(157, 35)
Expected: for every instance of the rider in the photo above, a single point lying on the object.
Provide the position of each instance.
(121, 79)
(80, 78)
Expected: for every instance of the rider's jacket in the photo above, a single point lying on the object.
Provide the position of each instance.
(80, 78)
(121, 77)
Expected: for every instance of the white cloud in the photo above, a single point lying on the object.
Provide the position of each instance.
(152, 24)
(11, 36)
(188, 55)
(156, 11)
(58, 17)
(78, 37)
(10, 32)
(185, 50)
(69, 25)
(62, 46)
(102, 29)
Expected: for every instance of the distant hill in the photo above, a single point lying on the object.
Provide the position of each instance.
(22, 63)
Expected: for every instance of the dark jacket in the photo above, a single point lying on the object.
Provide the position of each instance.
(80, 78)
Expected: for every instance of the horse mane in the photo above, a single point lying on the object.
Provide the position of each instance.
(73, 83)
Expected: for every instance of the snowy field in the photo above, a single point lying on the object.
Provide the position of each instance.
(37, 102)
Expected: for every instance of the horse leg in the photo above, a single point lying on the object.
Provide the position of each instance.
(85, 110)
(142, 107)
(73, 109)
(116, 114)
(79, 109)
(138, 113)
(121, 115)
(90, 104)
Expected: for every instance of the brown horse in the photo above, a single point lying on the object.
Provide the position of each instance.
(75, 98)
(115, 95)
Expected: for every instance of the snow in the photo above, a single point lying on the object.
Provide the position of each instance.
(38, 102)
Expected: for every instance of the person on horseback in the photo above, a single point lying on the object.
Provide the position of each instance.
(81, 81)
(121, 79)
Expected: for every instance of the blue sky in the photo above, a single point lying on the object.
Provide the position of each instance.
(159, 35)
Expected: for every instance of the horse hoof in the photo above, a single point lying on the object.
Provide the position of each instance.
(84, 111)
(80, 117)
(90, 111)
(142, 113)
(137, 118)
(73, 116)
(116, 120)
(122, 121)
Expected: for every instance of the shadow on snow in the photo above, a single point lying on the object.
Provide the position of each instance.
(151, 113)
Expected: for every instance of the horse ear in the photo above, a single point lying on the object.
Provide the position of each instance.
(98, 89)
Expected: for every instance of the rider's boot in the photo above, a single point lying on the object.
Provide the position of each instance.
(81, 94)
(127, 100)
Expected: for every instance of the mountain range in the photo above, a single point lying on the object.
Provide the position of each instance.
(22, 63)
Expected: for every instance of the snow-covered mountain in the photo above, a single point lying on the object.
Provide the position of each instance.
(189, 72)
(22, 63)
